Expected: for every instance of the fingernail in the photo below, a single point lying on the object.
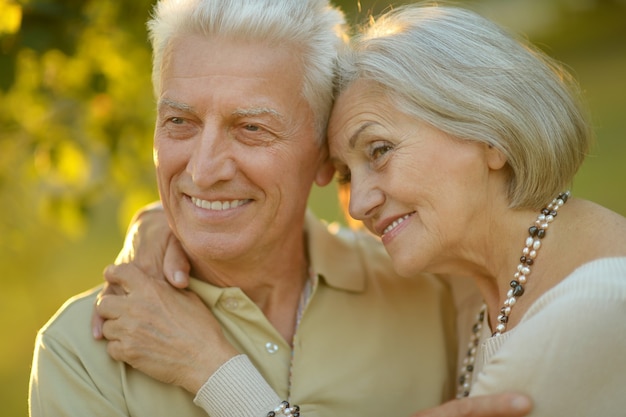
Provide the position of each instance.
(520, 403)
(179, 277)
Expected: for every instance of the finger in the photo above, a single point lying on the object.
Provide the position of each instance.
(96, 324)
(123, 278)
(176, 266)
(96, 319)
(110, 307)
(497, 405)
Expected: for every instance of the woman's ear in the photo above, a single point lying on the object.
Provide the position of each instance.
(495, 158)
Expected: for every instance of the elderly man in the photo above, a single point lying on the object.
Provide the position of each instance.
(295, 312)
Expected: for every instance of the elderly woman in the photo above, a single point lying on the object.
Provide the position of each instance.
(458, 143)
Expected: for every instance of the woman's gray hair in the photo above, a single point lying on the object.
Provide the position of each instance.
(313, 27)
(466, 76)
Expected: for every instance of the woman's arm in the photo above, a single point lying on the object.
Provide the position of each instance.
(166, 331)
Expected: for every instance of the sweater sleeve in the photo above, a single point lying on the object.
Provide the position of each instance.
(237, 389)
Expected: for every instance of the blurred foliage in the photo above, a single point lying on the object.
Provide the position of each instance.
(75, 113)
(76, 119)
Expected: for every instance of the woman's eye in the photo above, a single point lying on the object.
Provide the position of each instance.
(379, 151)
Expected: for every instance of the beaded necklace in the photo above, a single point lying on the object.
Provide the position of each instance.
(532, 245)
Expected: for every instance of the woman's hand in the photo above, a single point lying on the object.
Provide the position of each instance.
(150, 246)
(164, 332)
(497, 405)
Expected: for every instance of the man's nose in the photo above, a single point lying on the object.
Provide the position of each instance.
(212, 159)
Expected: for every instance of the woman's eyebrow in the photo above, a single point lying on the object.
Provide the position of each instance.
(359, 131)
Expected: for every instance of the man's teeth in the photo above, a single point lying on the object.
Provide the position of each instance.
(217, 205)
(395, 224)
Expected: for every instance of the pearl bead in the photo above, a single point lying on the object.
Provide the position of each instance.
(525, 270)
(536, 244)
(522, 279)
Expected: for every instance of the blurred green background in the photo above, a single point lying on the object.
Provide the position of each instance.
(76, 115)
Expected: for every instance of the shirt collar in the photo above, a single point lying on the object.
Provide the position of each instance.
(336, 257)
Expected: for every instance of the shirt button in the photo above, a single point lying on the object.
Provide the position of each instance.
(271, 348)
(230, 303)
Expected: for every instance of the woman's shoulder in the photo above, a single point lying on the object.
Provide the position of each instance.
(598, 230)
(597, 280)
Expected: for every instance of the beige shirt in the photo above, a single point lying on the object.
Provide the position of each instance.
(369, 344)
(567, 352)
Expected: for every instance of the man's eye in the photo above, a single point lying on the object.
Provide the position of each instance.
(251, 128)
(177, 120)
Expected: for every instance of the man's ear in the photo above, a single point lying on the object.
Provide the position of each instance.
(325, 173)
(495, 158)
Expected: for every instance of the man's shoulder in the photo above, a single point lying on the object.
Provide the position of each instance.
(72, 319)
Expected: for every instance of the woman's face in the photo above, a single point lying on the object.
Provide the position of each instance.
(421, 190)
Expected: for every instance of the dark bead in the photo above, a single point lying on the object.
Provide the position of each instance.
(553, 213)
(529, 261)
(517, 291)
(462, 380)
(296, 408)
(476, 342)
(533, 230)
(522, 259)
(470, 368)
(541, 233)
(481, 316)
(466, 393)
(296, 414)
(563, 197)
(285, 403)
(502, 310)
(503, 319)
(545, 211)
(271, 414)
(514, 284)
(476, 328)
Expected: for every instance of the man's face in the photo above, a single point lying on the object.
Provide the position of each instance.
(234, 147)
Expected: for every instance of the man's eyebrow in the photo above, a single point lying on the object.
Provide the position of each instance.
(174, 104)
(258, 111)
(355, 135)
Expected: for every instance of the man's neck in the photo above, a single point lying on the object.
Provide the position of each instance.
(274, 283)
